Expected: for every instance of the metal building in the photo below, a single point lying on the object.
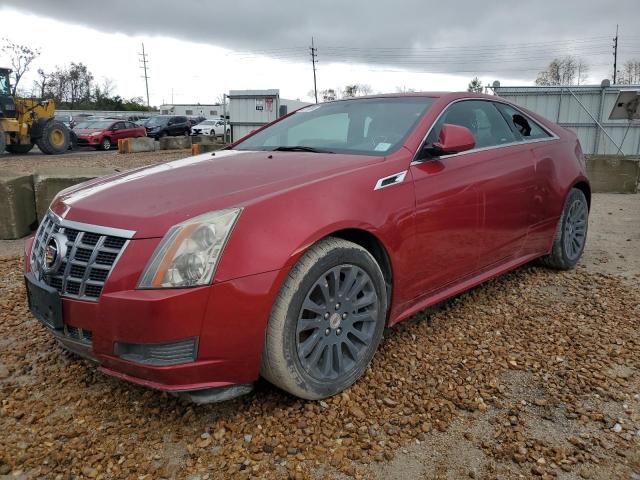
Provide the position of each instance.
(584, 109)
(251, 109)
(212, 110)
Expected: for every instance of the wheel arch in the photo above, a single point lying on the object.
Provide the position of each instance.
(584, 187)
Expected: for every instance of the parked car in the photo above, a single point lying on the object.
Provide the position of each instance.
(68, 120)
(196, 120)
(104, 134)
(214, 127)
(286, 255)
(163, 125)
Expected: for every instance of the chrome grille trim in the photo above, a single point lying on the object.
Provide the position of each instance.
(73, 278)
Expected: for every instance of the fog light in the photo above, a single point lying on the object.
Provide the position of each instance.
(158, 354)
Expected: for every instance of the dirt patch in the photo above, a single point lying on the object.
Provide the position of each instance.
(110, 160)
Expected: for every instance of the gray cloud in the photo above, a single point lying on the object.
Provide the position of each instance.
(512, 38)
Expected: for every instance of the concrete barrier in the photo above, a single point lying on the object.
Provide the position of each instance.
(175, 143)
(613, 174)
(17, 206)
(134, 145)
(47, 185)
(198, 148)
(205, 140)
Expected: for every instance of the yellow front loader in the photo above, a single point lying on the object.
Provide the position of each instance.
(25, 122)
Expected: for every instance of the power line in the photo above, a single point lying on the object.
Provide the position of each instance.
(144, 66)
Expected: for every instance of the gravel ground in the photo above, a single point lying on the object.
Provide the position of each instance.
(535, 374)
(80, 161)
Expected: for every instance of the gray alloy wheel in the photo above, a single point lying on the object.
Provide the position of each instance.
(326, 322)
(571, 233)
(336, 322)
(105, 144)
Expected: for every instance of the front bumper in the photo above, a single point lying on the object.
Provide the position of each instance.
(229, 320)
(89, 140)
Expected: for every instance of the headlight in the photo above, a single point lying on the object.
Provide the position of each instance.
(95, 134)
(189, 253)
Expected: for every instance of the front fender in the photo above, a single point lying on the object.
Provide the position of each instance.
(272, 233)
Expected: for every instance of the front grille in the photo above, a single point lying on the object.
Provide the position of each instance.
(89, 260)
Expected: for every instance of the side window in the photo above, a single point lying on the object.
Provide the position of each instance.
(484, 122)
(118, 126)
(521, 123)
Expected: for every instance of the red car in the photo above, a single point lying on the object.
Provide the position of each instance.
(104, 134)
(287, 255)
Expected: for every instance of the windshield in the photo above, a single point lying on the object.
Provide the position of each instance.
(4, 84)
(156, 121)
(208, 122)
(95, 124)
(375, 126)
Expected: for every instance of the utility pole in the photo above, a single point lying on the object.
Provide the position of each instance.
(313, 62)
(615, 56)
(144, 67)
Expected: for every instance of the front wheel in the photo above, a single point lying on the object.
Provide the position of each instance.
(105, 144)
(54, 139)
(571, 233)
(326, 322)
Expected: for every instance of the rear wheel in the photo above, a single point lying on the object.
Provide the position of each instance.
(2, 141)
(55, 138)
(571, 233)
(19, 149)
(326, 322)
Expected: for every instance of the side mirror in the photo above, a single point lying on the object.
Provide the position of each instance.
(453, 139)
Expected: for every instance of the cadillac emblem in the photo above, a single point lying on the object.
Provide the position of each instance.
(54, 253)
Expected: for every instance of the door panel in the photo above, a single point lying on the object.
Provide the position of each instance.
(507, 188)
(447, 221)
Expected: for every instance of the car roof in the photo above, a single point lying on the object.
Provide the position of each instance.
(447, 95)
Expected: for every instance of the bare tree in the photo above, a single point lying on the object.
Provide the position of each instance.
(405, 89)
(564, 71)
(475, 85)
(356, 90)
(630, 72)
(41, 83)
(107, 86)
(328, 95)
(20, 57)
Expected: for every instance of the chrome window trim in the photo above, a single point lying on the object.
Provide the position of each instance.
(397, 178)
(552, 136)
(90, 227)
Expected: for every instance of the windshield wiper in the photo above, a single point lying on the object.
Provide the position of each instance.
(301, 148)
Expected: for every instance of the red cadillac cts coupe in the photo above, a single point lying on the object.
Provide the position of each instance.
(286, 255)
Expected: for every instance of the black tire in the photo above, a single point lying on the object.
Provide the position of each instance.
(19, 149)
(55, 138)
(105, 144)
(288, 329)
(571, 233)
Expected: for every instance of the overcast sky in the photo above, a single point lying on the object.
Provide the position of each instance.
(198, 49)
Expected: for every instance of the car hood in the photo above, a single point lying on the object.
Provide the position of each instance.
(152, 199)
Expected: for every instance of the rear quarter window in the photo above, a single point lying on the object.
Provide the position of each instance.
(524, 125)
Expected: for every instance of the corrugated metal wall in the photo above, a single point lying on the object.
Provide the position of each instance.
(560, 106)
